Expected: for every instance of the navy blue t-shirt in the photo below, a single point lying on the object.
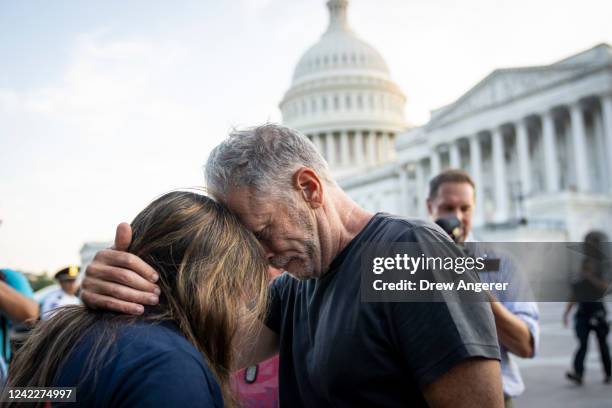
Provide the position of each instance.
(336, 350)
(149, 364)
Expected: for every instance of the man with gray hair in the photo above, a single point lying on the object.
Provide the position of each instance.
(334, 349)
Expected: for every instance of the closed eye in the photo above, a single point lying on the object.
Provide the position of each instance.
(261, 234)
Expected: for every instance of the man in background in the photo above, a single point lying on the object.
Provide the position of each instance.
(64, 296)
(588, 292)
(452, 196)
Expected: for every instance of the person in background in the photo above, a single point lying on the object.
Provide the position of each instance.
(452, 194)
(587, 293)
(64, 296)
(16, 306)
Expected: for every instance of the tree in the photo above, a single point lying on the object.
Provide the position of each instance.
(40, 281)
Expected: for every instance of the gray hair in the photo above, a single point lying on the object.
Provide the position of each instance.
(263, 157)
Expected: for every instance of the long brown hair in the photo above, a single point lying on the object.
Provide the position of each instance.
(213, 281)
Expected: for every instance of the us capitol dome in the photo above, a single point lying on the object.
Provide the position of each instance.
(343, 99)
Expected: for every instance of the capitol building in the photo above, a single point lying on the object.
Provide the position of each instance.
(537, 140)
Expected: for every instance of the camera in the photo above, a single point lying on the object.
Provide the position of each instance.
(452, 226)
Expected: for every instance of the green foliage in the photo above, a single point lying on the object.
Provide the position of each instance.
(40, 281)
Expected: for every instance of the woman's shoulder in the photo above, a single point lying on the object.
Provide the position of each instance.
(157, 337)
(163, 368)
(147, 363)
(159, 344)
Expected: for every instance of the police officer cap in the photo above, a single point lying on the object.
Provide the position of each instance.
(69, 273)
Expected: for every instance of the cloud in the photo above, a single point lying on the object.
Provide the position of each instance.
(255, 6)
(112, 79)
(92, 147)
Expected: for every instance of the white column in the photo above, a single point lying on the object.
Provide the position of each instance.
(475, 170)
(358, 148)
(330, 149)
(499, 175)
(390, 146)
(345, 159)
(402, 202)
(454, 155)
(522, 147)
(550, 152)
(420, 190)
(434, 163)
(606, 110)
(579, 142)
(384, 148)
(318, 143)
(371, 147)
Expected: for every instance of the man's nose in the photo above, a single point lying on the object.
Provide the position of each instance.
(457, 213)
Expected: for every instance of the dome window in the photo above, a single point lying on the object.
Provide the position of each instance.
(325, 60)
(347, 101)
(335, 58)
(353, 58)
(324, 103)
(344, 58)
(336, 102)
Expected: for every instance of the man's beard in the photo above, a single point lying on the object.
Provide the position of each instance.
(306, 270)
(300, 267)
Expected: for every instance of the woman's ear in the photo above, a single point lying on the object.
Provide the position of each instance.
(308, 183)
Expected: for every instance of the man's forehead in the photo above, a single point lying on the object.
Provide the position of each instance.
(247, 205)
(456, 188)
(455, 192)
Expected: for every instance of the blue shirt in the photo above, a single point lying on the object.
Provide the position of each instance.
(150, 364)
(18, 282)
(526, 311)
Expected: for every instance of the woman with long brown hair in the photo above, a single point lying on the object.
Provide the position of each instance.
(179, 352)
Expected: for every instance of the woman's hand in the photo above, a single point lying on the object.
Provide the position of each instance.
(119, 281)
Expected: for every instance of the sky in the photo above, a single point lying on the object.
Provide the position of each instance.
(105, 105)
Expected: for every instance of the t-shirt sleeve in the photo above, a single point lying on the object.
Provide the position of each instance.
(433, 337)
(172, 379)
(18, 282)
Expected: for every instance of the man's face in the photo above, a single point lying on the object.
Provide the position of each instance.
(69, 286)
(454, 199)
(285, 227)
